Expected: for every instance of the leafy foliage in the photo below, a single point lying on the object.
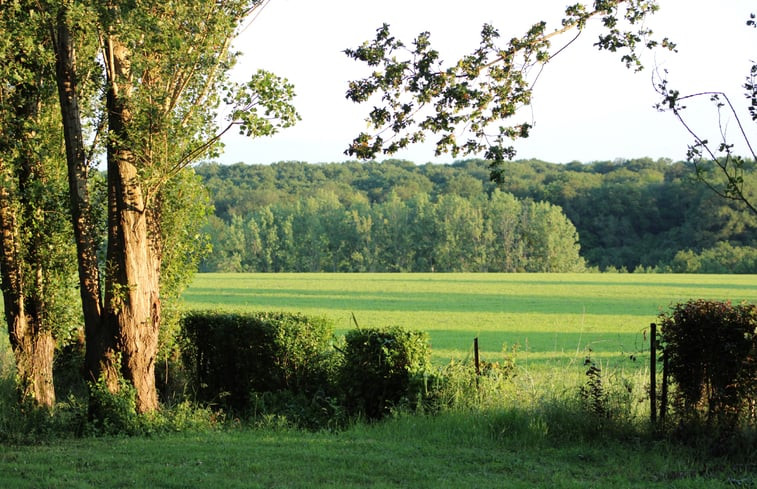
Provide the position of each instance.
(606, 397)
(114, 412)
(184, 206)
(722, 258)
(233, 356)
(711, 347)
(382, 368)
(474, 97)
(261, 106)
(712, 154)
(36, 256)
(593, 392)
(454, 234)
(138, 82)
(394, 215)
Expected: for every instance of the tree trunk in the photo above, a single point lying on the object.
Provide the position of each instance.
(100, 338)
(33, 348)
(22, 267)
(33, 345)
(132, 297)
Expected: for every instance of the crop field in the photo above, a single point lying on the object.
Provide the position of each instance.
(550, 319)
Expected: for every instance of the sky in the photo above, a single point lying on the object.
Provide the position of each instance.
(587, 106)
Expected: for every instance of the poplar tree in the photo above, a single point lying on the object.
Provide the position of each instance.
(35, 258)
(165, 64)
(140, 81)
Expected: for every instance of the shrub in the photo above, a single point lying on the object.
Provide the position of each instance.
(229, 356)
(114, 413)
(711, 347)
(383, 368)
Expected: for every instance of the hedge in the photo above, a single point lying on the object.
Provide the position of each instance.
(230, 356)
(382, 367)
(711, 348)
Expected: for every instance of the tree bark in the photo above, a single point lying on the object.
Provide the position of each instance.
(33, 344)
(132, 297)
(100, 338)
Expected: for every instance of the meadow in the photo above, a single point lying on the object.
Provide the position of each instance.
(550, 319)
(534, 433)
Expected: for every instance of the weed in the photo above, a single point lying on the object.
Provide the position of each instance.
(593, 393)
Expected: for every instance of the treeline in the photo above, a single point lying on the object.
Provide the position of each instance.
(495, 233)
(629, 215)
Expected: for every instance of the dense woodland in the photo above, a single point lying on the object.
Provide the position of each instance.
(637, 215)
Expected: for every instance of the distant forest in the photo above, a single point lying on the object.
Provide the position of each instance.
(635, 215)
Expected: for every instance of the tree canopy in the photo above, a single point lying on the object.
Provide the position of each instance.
(712, 155)
(630, 215)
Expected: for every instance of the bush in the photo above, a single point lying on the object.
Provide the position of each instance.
(711, 348)
(230, 356)
(114, 413)
(383, 368)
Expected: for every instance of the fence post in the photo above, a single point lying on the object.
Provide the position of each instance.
(653, 373)
(664, 394)
(476, 357)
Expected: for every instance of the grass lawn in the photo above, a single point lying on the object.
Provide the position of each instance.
(553, 318)
(449, 451)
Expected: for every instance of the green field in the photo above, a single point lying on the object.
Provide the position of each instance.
(553, 318)
(525, 440)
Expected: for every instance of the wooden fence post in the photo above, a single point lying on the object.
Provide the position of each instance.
(653, 373)
(664, 394)
(476, 357)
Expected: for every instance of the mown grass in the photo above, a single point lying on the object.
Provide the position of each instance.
(552, 318)
(507, 449)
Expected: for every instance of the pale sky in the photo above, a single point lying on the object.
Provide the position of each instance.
(587, 106)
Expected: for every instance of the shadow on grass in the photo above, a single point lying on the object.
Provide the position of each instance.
(540, 343)
(437, 302)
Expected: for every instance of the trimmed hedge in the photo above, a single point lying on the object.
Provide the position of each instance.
(287, 365)
(230, 356)
(383, 368)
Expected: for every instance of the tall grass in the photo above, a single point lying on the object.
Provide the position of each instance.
(506, 448)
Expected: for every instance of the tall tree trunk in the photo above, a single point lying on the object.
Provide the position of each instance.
(33, 344)
(100, 337)
(21, 259)
(132, 297)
